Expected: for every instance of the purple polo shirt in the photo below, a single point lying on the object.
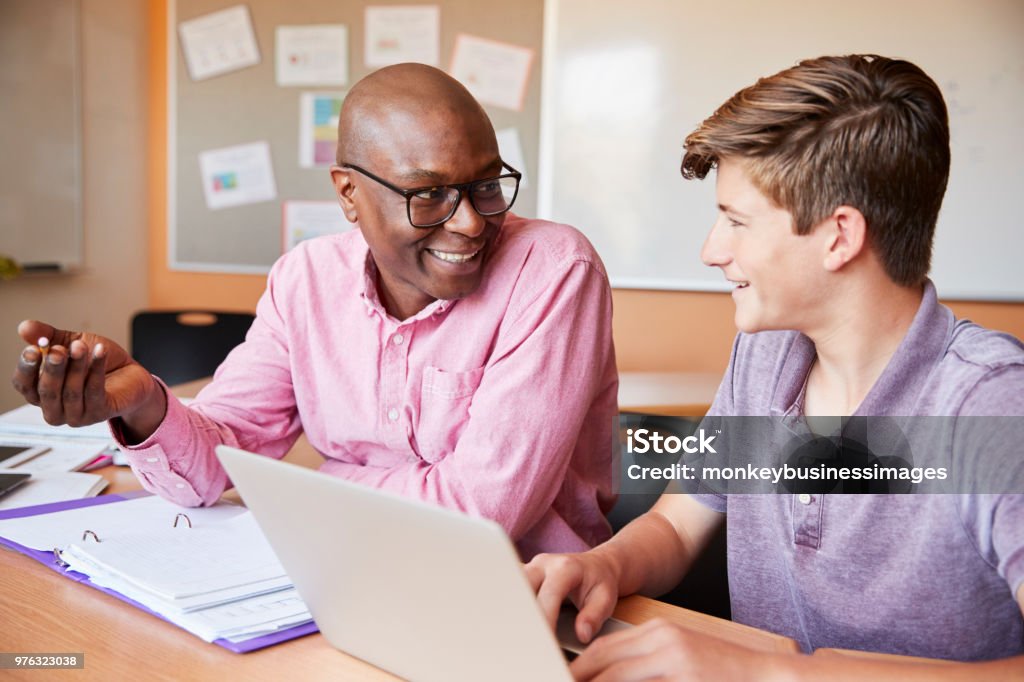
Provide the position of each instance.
(923, 575)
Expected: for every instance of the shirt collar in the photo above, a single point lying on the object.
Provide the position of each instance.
(371, 296)
(896, 390)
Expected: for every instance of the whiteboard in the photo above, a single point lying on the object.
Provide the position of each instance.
(40, 133)
(626, 82)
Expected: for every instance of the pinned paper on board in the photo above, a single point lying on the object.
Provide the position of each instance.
(496, 73)
(403, 34)
(302, 220)
(511, 151)
(234, 176)
(311, 55)
(219, 42)
(318, 128)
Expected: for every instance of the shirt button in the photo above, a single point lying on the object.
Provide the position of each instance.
(804, 498)
(397, 339)
(393, 414)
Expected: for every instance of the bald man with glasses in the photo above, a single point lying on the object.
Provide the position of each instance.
(446, 350)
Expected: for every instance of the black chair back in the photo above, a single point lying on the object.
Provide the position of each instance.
(180, 346)
(706, 586)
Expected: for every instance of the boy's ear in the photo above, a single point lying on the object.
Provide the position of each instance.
(342, 179)
(847, 237)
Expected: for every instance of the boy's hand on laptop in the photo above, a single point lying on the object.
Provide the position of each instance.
(662, 650)
(589, 579)
(86, 378)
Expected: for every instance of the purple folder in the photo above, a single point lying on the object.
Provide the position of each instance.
(48, 560)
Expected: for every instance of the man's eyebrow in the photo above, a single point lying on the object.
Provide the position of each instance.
(725, 208)
(422, 176)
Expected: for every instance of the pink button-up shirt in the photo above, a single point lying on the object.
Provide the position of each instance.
(501, 404)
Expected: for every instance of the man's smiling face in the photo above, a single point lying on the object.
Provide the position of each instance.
(413, 142)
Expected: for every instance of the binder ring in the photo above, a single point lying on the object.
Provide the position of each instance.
(94, 536)
(58, 560)
(182, 516)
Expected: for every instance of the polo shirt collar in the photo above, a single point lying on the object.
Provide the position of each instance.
(896, 390)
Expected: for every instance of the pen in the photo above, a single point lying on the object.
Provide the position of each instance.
(44, 348)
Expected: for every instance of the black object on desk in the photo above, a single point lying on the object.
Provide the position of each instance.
(10, 480)
(180, 346)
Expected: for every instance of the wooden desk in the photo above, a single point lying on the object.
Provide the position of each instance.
(678, 394)
(46, 613)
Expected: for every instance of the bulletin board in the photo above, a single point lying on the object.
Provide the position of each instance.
(246, 106)
(40, 133)
(625, 84)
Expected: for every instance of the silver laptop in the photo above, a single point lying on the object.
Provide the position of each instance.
(423, 592)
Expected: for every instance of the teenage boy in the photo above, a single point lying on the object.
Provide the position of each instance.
(830, 176)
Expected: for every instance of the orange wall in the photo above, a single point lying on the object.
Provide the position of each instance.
(654, 330)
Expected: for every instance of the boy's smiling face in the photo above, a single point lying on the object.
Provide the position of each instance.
(778, 277)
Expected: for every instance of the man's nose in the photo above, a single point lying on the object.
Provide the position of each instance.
(466, 221)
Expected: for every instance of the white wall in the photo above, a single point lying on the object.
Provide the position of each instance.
(112, 282)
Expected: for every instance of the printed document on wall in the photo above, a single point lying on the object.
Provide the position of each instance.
(308, 219)
(312, 55)
(403, 34)
(496, 73)
(219, 42)
(233, 176)
(318, 128)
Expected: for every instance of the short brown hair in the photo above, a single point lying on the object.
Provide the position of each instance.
(860, 130)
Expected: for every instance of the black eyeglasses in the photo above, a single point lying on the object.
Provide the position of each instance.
(432, 206)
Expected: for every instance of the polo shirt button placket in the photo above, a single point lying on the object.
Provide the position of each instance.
(807, 520)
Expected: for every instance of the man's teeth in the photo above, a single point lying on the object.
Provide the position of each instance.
(741, 285)
(454, 257)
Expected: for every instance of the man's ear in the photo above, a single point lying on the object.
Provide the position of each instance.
(342, 179)
(847, 237)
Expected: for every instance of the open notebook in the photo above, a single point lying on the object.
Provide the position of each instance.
(208, 570)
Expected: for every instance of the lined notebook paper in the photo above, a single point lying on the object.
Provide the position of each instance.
(218, 579)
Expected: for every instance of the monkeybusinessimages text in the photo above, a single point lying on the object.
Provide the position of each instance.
(643, 441)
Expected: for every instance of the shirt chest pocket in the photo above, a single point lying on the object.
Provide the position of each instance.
(445, 398)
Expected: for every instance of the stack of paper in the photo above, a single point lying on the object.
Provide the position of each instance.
(218, 579)
(70, 449)
(28, 420)
(52, 486)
